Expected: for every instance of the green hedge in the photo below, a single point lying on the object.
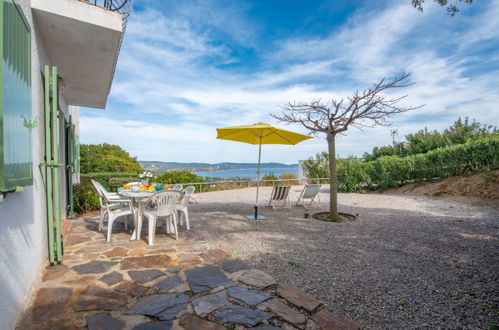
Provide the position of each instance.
(106, 178)
(85, 196)
(183, 176)
(350, 173)
(392, 171)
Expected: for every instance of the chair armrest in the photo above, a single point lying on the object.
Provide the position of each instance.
(121, 201)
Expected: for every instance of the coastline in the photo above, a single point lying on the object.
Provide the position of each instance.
(247, 173)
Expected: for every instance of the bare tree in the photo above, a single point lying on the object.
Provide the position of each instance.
(452, 9)
(363, 109)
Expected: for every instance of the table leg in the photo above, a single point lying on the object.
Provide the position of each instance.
(138, 222)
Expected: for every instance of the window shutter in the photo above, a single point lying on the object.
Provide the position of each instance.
(75, 151)
(15, 98)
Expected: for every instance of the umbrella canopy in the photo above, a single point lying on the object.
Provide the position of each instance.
(259, 133)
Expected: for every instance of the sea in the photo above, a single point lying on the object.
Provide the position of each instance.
(248, 173)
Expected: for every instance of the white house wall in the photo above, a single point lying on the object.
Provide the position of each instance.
(23, 246)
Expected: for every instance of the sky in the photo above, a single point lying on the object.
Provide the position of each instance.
(188, 67)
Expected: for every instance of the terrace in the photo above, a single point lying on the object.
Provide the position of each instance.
(402, 256)
(404, 262)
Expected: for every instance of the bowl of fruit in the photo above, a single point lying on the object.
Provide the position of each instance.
(146, 187)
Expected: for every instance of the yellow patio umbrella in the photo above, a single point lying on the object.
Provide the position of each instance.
(259, 133)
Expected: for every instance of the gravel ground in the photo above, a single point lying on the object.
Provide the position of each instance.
(407, 262)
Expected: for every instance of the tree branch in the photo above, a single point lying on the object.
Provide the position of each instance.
(368, 108)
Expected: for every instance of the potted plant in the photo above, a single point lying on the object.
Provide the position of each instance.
(144, 177)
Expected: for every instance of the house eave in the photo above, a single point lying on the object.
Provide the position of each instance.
(83, 41)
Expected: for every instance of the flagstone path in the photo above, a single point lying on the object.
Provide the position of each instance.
(188, 284)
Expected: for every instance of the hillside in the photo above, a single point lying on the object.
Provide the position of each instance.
(158, 166)
(480, 189)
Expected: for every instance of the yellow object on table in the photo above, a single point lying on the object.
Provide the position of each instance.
(127, 186)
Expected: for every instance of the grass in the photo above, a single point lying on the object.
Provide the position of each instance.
(294, 264)
(489, 177)
(325, 216)
(336, 218)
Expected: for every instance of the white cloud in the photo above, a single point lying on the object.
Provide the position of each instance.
(177, 141)
(154, 28)
(172, 90)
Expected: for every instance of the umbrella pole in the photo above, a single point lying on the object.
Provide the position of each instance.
(258, 177)
(256, 217)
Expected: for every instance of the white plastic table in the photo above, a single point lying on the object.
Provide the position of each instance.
(137, 197)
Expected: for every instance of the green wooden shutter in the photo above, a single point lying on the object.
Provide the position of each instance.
(75, 151)
(15, 98)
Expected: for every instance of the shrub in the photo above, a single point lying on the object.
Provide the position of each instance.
(269, 176)
(473, 156)
(391, 171)
(183, 176)
(107, 158)
(291, 178)
(423, 141)
(350, 173)
(115, 183)
(489, 177)
(104, 178)
(288, 176)
(85, 197)
(318, 167)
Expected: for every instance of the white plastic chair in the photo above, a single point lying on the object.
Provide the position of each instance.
(183, 208)
(164, 207)
(114, 208)
(310, 191)
(177, 186)
(280, 194)
(110, 195)
(195, 198)
(103, 207)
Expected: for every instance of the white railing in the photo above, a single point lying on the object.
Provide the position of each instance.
(241, 184)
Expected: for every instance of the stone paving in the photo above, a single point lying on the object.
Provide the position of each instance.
(188, 284)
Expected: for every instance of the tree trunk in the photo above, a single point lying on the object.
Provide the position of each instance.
(333, 182)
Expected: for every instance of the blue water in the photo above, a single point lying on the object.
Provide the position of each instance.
(248, 172)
